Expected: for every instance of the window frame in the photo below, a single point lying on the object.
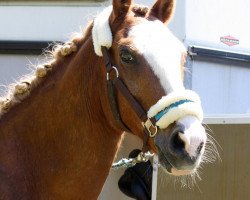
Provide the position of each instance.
(53, 2)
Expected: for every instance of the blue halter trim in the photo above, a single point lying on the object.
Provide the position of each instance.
(159, 115)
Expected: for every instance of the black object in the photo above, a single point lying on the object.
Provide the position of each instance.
(26, 47)
(197, 51)
(136, 182)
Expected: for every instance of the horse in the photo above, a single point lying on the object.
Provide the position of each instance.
(59, 132)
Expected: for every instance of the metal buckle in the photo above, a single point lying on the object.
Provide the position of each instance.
(149, 126)
(116, 71)
(144, 156)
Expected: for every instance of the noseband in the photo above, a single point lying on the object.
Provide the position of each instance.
(149, 127)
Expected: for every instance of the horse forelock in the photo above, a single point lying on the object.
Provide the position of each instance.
(16, 92)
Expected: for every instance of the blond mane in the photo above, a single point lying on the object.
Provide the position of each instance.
(20, 90)
(17, 92)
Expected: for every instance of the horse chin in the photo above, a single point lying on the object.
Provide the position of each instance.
(170, 169)
(175, 172)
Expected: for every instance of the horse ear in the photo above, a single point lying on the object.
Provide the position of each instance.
(121, 7)
(163, 10)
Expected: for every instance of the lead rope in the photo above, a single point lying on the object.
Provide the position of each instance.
(130, 162)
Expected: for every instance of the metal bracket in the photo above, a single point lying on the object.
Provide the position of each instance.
(149, 126)
(154, 177)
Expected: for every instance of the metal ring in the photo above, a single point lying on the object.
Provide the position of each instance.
(116, 71)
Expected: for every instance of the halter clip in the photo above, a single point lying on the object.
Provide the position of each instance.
(151, 128)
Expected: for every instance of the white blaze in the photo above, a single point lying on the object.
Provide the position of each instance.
(162, 50)
(193, 136)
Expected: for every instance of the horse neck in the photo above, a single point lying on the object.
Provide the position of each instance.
(60, 137)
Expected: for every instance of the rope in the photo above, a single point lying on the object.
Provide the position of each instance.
(124, 163)
(130, 162)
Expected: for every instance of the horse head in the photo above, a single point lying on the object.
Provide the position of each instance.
(149, 59)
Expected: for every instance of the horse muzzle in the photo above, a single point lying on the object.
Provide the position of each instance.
(180, 148)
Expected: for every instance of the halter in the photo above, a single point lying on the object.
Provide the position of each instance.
(167, 110)
(150, 129)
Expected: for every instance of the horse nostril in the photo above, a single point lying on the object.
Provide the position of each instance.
(178, 143)
(200, 147)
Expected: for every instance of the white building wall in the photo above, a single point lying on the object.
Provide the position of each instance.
(222, 85)
(207, 21)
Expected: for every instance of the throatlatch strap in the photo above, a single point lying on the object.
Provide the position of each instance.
(114, 106)
(145, 147)
(123, 89)
(134, 104)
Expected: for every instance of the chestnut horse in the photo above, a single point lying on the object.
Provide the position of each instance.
(58, 134)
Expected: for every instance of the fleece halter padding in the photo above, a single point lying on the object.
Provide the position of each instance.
(175, 106)
(101, 32)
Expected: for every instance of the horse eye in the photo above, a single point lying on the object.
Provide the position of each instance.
(126, 57)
